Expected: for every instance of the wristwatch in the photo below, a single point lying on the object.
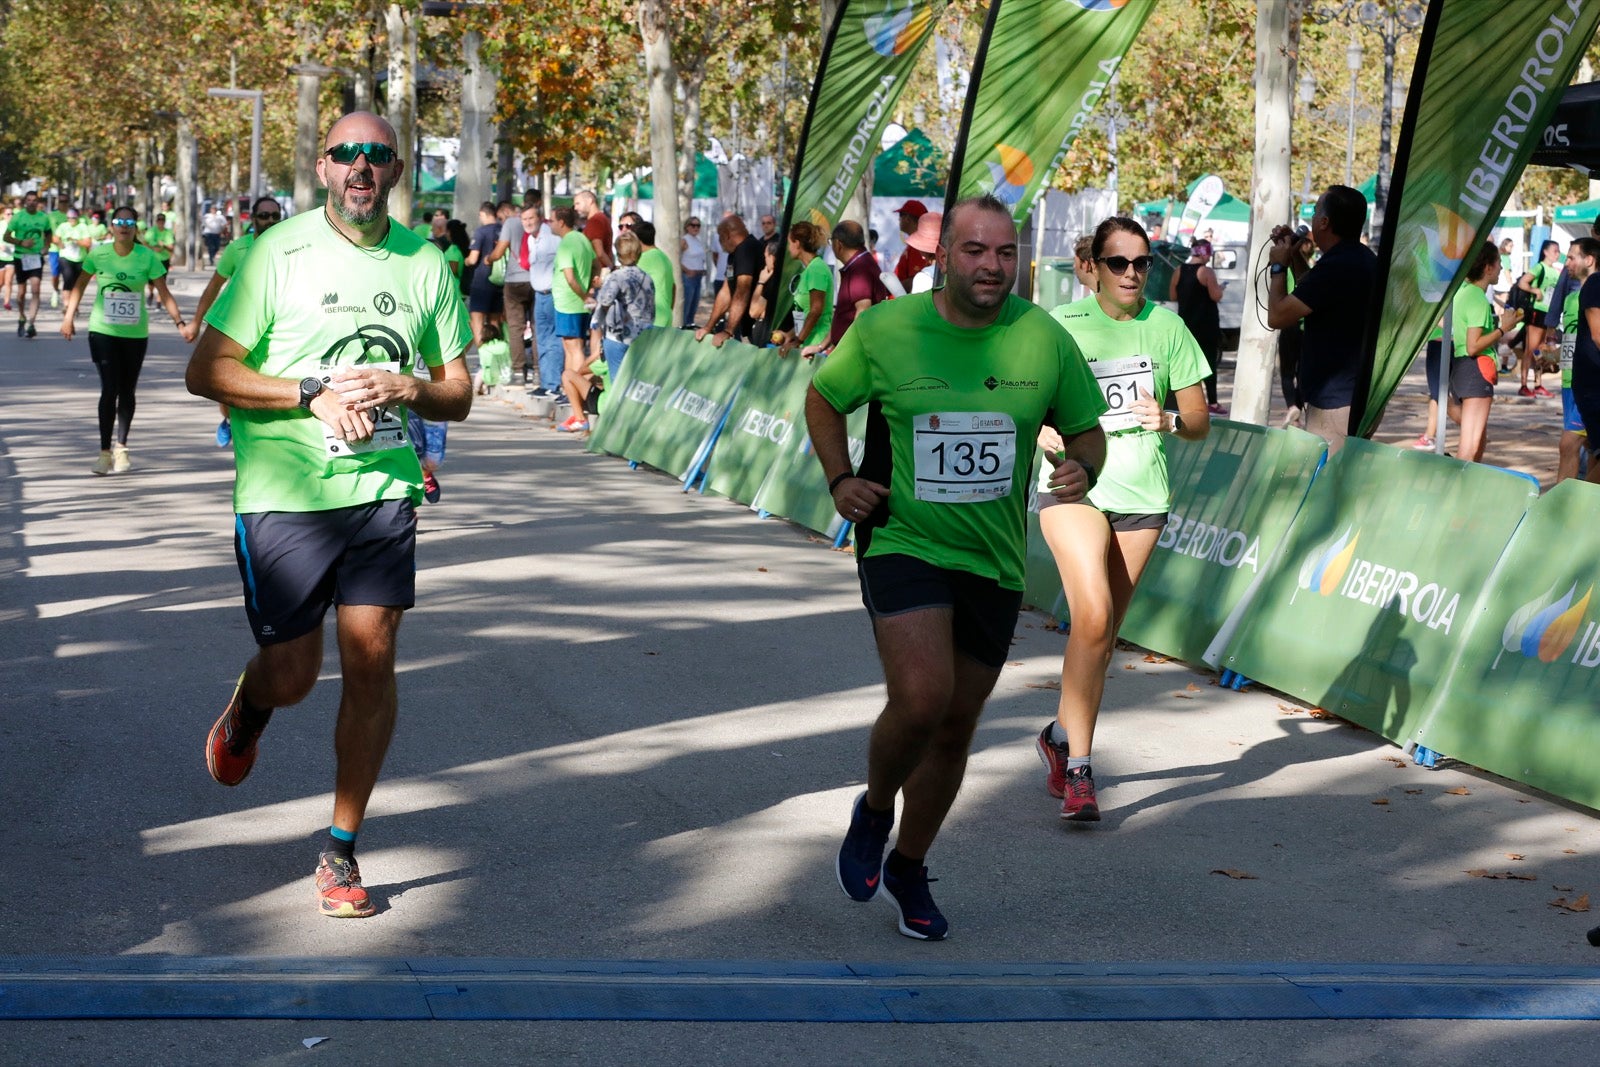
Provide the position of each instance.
(1177, 423)
(310, 389)
(1277, 268)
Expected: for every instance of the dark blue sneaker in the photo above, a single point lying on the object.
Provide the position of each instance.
(919, 915)
(860, 864)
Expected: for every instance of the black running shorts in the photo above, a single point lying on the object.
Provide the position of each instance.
(296, 564)
(984, 613)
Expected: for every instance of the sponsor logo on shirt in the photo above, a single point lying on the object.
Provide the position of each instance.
(992, 383)
(296, 248)
(329, 298)
(384, 303)
(922, 385)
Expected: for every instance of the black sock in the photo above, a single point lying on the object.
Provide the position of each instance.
(900, 865)
(254, 719)
(338, 846)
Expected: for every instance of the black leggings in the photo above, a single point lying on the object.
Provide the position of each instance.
(119, 360)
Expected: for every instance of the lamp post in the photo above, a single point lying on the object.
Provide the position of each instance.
(1306, 93)
(1391, 20)
(255, 132)
(1352, 59)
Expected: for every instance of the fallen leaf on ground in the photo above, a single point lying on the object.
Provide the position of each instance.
(1396, 760)
(1044, 685)
(1151, 657)
(1129, 667)
(763, 570)
(1515, 856)
(1231, 873)
(1569, 852)
(1459, 791)
(1287, 709)
(1562, 888)
(1318, 713)
(1502, 876)
(1576, 904)
(1183, 696)
(1191, 687)
(1381, 800)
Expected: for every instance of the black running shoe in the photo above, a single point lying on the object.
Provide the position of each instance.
(860, 864)
(919, 915)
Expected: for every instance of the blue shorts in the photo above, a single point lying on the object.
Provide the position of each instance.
(1571, 421)
(55, 264)
(428, 438)
(572, 325)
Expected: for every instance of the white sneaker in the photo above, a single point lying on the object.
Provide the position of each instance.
(104, 463)
(119, 459)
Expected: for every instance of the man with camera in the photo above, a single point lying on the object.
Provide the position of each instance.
(1330, 305)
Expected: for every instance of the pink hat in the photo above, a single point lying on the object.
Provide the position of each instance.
(926, 239)
(915, 208)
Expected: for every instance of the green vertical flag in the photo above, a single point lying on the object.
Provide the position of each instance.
(866, 62)
(1039, 75)
(1489, 75)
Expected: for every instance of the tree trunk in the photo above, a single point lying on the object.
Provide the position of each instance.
(477, 128)
(505, 171)
(185, 209)
(692, 78)
(401, 109)
(1277, 39)
(307, 121)
(655, 29)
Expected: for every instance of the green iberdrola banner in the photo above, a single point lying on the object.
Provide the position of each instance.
(1519, 699)
(769, 410)
(1234, 495)
(871, 50)
(685, 413)
(1489, 75)
(1378, 579)
(1046, 65)
(795, 488)
(653, 365)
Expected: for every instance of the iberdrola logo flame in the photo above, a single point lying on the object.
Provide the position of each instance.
(1440, 254)
(1325, 568)
(820, 221)
(1544, 628)
(897, 27)
(1012, 174)
(1101, 5)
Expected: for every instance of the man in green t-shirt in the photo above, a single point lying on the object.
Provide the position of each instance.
(958, 382)
(29, 232)
(313, 345)
(70, 249)
(569, 291)
(655, 263)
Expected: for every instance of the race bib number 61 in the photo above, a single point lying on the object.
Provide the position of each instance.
(1120, 381)
(964, 457)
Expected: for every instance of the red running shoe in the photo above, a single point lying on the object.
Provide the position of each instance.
(1079, 803)
(1054, 757)
(339, 891)
(1542, 392)
(231, 748)
(1524, 391)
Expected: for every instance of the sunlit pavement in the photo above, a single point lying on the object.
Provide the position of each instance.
(632, 723)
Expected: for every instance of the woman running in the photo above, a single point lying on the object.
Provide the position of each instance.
(1473, 368)
(1139, 352)
(119, 329)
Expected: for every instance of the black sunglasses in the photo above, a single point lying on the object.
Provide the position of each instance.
(268, 216)
(1120, 264)
(379, 155)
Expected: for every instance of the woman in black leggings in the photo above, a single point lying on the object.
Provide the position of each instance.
(119, 328)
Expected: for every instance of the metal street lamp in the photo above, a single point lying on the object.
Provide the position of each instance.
(1352, 59)
(1390, 20)
(255, 132)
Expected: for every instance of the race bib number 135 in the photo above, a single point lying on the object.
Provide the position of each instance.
(964, 457)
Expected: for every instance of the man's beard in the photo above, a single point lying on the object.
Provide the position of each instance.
(379, 209)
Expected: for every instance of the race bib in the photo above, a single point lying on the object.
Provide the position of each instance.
(121, 308)
(1569, 342)
(31, 262)
(963, 457)
(1120, 381)
(388, 426)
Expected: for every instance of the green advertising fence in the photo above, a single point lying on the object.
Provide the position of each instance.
(768, 412)
(1234, 494)
(1519, 698)
(683, 417)
(658, 363)
(794, 487)
(1379, 578)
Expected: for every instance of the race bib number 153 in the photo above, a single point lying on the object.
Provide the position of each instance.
(964, 457)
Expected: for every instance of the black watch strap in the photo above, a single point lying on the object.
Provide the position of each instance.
(310, 389)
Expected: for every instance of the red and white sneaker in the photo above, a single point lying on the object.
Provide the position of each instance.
(1079, 804)
(1541, 392)
(1053, 755)
(340, 894)
(231, 747)
(575, 424)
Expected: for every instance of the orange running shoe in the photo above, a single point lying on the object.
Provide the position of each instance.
(231, 747)
(339, 891)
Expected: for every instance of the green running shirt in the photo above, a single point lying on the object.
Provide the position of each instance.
(119, 309)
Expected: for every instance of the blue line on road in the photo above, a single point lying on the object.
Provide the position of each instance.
(162, 987)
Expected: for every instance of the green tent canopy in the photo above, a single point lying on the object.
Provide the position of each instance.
(705, 183)
(1229, 209)
(913, 166)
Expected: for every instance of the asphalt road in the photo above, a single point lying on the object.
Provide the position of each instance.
(632, 723)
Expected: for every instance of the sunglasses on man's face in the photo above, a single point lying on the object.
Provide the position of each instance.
(379, 155)
(268, 216)
(1120, 264)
